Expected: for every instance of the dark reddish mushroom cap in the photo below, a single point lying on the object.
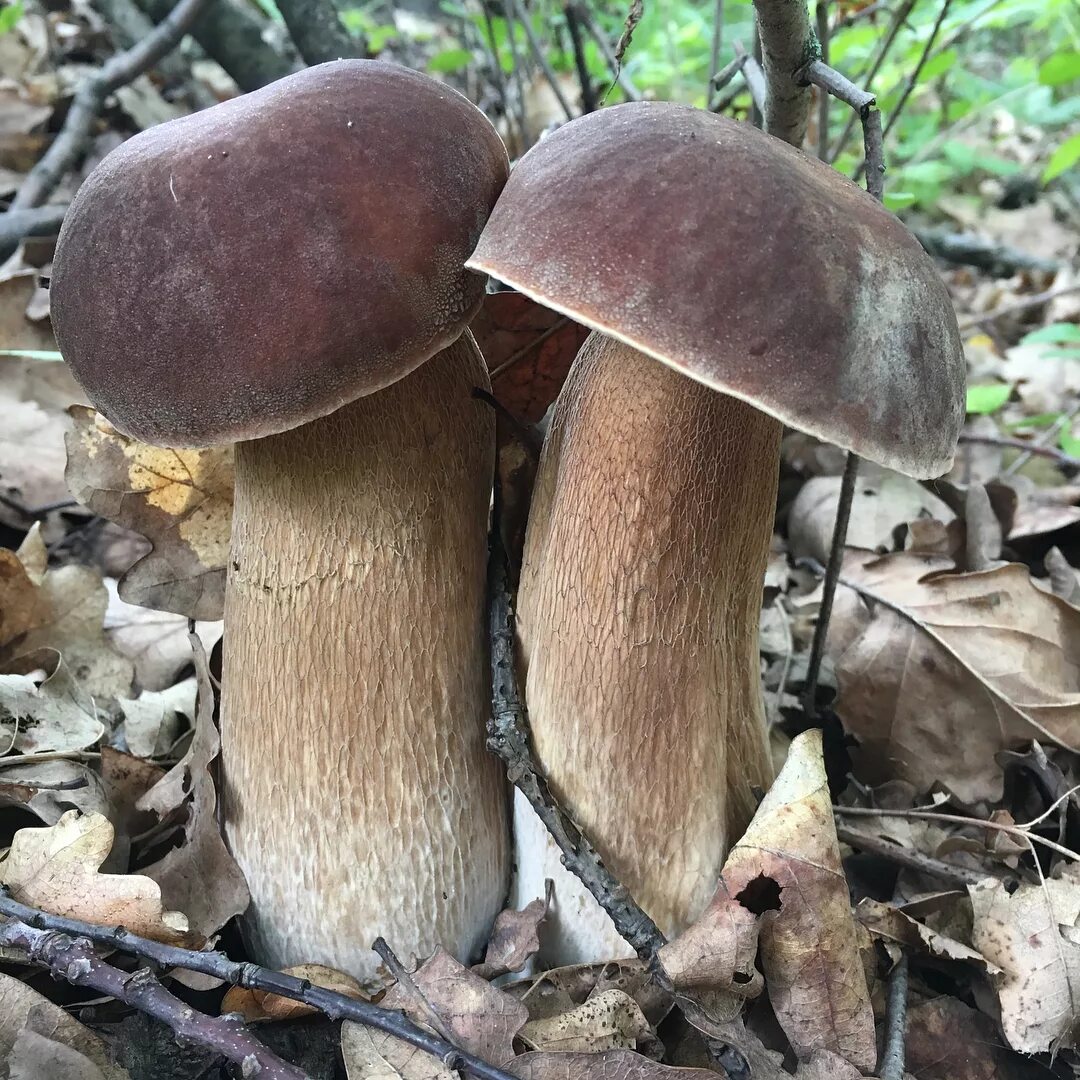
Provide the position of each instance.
(243, 270)
(736, 259)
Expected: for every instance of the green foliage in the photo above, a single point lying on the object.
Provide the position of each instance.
(988, 398)
(9, 16)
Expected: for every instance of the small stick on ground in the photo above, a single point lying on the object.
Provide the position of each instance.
(74, 960)
(253, 977)
(1051, 453)
(892, 1058)
(950, 873)
(1018, 307)
(71, 142)
(508, 738)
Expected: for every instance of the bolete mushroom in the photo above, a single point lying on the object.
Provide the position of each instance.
(286, 270)
(773, 291)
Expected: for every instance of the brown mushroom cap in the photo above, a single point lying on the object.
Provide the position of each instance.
(240, 271)
(736, 259)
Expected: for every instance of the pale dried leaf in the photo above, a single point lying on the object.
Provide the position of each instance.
(50, 789)
(612, 1065)
(370, 1054)
(938, 672)
(35, 1032)
(200, 876)
(809, 949)
(890, 924)
(260, 1005)
(609, 1021)
(180, 500)
(825, 1065)
(56, 869)
(514, 939)
(478, 1017)
(1039, 990)
(560, 989)
(53, 713)
(154, 720)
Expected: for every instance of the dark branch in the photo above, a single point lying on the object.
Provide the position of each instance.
(70, 144)
(317, 31)
(892, 1058)
(73, 959)
(253, 977)
(16, 225)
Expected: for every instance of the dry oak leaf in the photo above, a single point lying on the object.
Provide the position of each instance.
(1033, 936)
(608, 1021)
(257, 1006)
(612, 1065)
(810, 947)
(888, 923)
(370, 1054)
(154, 720)
(56, 869)
(49, 789)
(938, 672)
(39, 1040)
(476, 1016)
(560, 989)
(514, 939)
(180, 500)
(200, 876)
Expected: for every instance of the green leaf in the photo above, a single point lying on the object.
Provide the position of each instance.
(1063, 158)
(1061, 68)
(9, 16)
(1055, 334)
(31, 354)
(1069, 443)
(450, 60)
(939, 64)
(987, 399)
(898, 200)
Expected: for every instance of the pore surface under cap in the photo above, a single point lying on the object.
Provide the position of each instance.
(745, 264)
(243, 270)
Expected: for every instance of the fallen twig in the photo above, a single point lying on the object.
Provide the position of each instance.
(1051, 453)
(253, 977)
(508, 738)
(967, 250)
(892, 1057)
(44, 177)
(73, 959)
(17, 225)
(910, 858)
(1018, 307)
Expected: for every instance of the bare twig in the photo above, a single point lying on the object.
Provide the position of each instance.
(517, 74)
(541, 57)
(1044, 438)
(754, 76)
(838, 86)
(787, 46)
(17, 225)
(874, 154)
(524, 351)
(74, 960)
(406, 983)
(728, 72)
(913, 78)
(508, 738)
(717, 43)
(1051, 453)
(1018, 307)
(967, 250)
(573, 26)
(317, 31)
(70, 143)
(496, 64)
(898, 20)
(892, 1058)
(621, 78)
(910, 858)
(253, 977)
(828, 589)
(821, 15)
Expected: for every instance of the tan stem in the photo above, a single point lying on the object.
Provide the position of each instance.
(359, 797)
(638, 618)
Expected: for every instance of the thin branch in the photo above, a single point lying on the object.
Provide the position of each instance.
(717, 43)
(496, 64)
(956, 819)
(623, 80)
(821, 14)
(1044, 438)
(253, 977)
(967, 250)
(828, 590)
(898, 20)
(70, 143)
(508, 738)
(874, 154)
(1051, 453)
(74, 960)
(1018, 307)
(540, 57)
(787, 45)
(910, 858)
(17, 225)
(588, 93)
(838, 86)
(892, 1058)
(754, 76)
(516, 74)
(913, 78)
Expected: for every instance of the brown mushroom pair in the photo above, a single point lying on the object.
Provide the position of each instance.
(286, 270)
(773, 291)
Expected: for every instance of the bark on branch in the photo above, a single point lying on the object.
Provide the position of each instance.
(788, 44)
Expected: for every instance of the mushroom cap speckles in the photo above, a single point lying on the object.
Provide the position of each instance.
(745, 264)
(243, 270)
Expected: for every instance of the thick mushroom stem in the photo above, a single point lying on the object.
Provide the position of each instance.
(638, 618)
(359, 797)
